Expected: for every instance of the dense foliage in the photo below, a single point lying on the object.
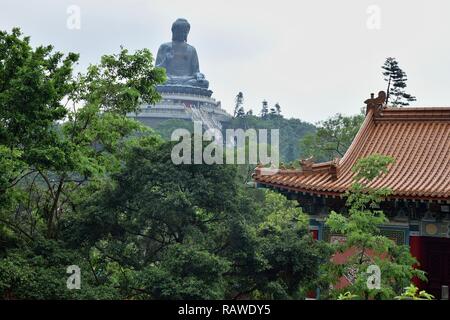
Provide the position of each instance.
(396, 84)
(81, 184)
(290, 130)
(332, 137)
(364, 245)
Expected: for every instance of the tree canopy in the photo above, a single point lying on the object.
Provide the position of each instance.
(81, 184)
(367, 248)
(332, 138)
(396, 79)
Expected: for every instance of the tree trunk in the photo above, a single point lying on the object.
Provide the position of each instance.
(388, 89)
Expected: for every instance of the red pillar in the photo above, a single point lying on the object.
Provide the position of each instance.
(315, 235)
(416, 249)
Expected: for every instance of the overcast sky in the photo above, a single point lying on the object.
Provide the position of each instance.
(314, 57)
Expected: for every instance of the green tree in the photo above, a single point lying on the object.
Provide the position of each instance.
(290, 132)
(167, 127)
(184, 272)
(412, 293)
(264, 109)
(240, 112)
(363, 240)
(61, 135)
(396, 79)
(332, 138)
(239, 100)
(278, 109)
(156, 217)
(275, 110)
(85, 145)
(85, 185)
(279, 259)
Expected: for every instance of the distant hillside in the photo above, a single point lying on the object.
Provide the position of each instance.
(291, 131)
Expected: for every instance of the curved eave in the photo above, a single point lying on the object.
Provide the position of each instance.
(335, 194)
(417, 138)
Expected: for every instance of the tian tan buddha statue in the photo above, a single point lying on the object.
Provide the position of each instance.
(180, 59)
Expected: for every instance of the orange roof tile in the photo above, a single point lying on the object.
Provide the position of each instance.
(418, 139)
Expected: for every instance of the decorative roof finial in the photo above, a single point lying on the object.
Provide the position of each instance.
(375, 103)
(306, 164)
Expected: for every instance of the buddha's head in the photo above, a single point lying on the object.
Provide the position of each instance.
(180, 30)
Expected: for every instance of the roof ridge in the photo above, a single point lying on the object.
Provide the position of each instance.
(437, 114)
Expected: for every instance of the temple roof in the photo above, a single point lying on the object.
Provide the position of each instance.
(418, 139)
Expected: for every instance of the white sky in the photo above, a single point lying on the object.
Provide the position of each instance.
(314, 57)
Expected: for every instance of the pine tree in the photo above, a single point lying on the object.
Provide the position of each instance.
(278, 109)
(396, 79)
(239, 100)
(264, 109)
(240, 113)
